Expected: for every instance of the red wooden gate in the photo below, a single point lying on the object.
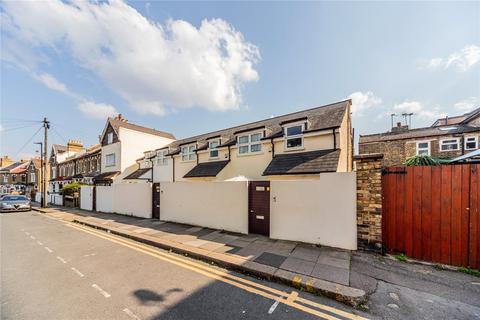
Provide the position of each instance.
(433, 213)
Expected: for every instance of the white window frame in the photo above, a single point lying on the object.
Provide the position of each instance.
(213, 149)
(296, 136)
(188, 152)
(106, 160)
(475, 140)
(449, 139)
(429, 150)
(110, 138)
(32, 176)
(249, 143)
(162, 159)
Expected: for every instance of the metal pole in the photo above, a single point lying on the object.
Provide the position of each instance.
(41, 172)
(46, 126)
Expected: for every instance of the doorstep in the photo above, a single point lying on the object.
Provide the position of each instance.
(319, 270)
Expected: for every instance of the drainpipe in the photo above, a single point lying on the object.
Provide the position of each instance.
(151, 161)
(173, 168)
(273, 148)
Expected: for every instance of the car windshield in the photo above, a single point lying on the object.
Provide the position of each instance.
(14, 198)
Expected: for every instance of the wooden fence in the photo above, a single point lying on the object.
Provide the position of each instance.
(432, 213)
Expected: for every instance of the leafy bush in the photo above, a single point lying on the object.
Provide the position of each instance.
(71, 188)
(421, 161)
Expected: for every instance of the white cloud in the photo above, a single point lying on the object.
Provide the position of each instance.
(362, 101)
(467, 105)
(153, 67)
(52, 83)
(419, 110)
(97, 110)
(461, 60)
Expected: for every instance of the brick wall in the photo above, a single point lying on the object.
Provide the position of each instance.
(369, 201)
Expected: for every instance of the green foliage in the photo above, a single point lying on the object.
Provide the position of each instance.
(401, 257)
(422, 160)
(470, 271)
(71, 188)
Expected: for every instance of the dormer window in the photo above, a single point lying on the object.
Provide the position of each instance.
(294, 136)
(249, 143)
(212, 146)
(110, 138)
(188, 152)
(162, 159)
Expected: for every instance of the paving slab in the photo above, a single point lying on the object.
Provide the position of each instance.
(305, 253)
(270, 259)
(298, 265)
(330, 273)
(334, 262)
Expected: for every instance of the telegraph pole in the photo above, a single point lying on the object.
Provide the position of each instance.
(46, 126)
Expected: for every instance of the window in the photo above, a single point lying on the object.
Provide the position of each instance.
(471, 143)
(54, 172)
(110, 138)
(212, 145)
(110, 160)
(294, 136)
(188, 152)
(249, 143)
(423, 148)
(162, 159)
(449, 145)
(32, 177)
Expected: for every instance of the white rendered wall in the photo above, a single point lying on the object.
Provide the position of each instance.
(319, 211)
(132, 199)
(104, 198)
(217, 205)
(86, 198)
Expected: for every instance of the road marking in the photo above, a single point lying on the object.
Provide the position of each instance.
(27, 233)
(131, 314)
(247, 285)
(103, 292)
(292, 296)
(32, 237)
(273, 307)
(48, 249)
(81, 275)
(61, 259)
(39, 243)
(90, 255)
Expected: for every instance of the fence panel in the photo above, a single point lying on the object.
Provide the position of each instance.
(431, 213)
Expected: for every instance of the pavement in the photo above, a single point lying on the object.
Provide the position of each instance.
(316, 269)
(55, 269)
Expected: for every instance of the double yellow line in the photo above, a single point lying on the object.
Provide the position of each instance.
(291, 300)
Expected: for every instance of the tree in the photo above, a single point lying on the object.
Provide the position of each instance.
(71, 188)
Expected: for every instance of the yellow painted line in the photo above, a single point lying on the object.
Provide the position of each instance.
(238, 282)
(292, 297)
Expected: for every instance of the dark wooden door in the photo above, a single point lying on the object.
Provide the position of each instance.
(432, 213)
(259, 207)
(156, 200)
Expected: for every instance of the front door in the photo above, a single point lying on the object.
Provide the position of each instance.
(259, 207)
(156, 200)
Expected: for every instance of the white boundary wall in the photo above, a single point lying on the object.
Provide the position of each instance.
(217, 205)
(318, 211)
(38, 197)
(55, 199)
(132, 199)
(86, 198)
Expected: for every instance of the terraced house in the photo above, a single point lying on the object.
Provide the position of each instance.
(300, 145)
(446, 138)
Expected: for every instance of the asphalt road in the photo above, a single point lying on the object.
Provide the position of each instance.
(53, 270)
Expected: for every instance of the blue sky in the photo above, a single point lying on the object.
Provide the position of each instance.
(194, 67)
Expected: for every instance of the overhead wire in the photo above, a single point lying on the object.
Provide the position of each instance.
(28, 141)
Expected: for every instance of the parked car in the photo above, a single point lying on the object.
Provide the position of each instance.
(14, 203)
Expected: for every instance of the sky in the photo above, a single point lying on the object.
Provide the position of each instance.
(194, 67)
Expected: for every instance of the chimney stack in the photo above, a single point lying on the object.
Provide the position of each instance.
(74, 146)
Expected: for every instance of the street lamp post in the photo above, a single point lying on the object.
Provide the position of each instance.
(41, 170)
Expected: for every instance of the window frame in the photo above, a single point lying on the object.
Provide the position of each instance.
(109, 137)
(466, 141)
(249, 143)
(214, 149)
(32, 177)
(162, 155)
(449, 139)
(429, 148)
(106, 160)
(295, 136)
(190, 154)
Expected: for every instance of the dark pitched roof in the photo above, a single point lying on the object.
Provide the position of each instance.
(10, 167)
(115, 123)
(303, 163)
(58, 148)
(206, 169)
(318, 118)
(137, 174)
(105, 177)
(77, 176)
(417, 133)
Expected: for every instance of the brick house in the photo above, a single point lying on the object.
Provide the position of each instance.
(446, 138)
